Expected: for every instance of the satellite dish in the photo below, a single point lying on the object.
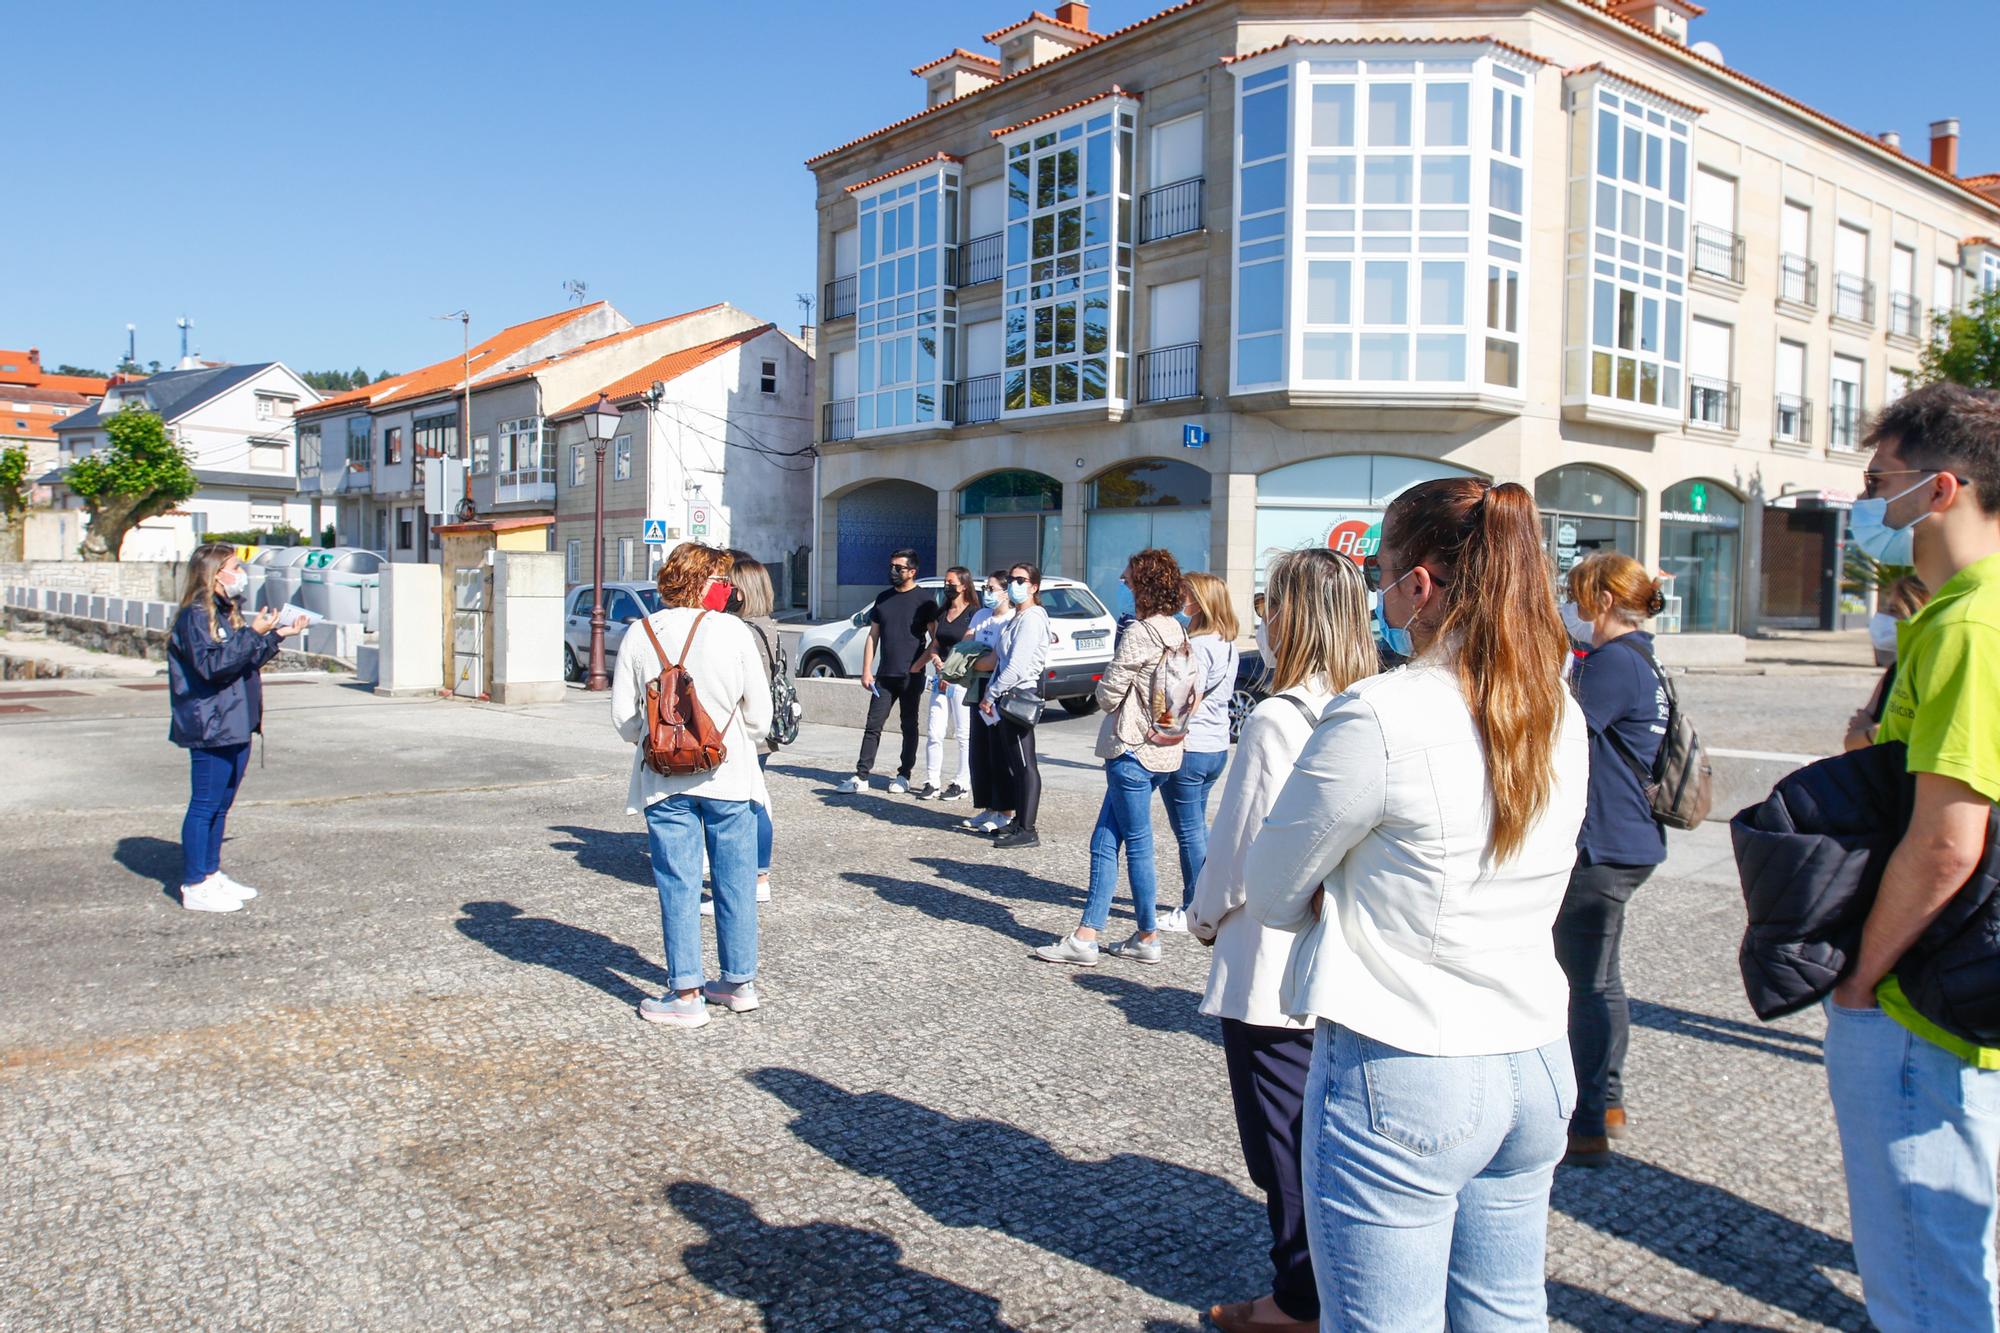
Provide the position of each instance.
(1709, 51)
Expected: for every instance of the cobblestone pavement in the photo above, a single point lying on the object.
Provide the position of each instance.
(406, 1088)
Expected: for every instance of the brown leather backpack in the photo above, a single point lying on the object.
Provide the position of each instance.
(680, 738)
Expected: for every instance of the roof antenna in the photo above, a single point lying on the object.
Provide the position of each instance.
(576, 287)
(806, 304)
(184, 324)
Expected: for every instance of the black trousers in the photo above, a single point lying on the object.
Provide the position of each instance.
(1022, 778)
(990, 789)
(1267, 1081)
(1588, 931)
(906, 694)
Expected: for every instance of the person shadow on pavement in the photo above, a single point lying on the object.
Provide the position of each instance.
(594, 959)
(1169, 1230)
(942, 904)
(818, 1275)
(156, 859)
(1155, 1008)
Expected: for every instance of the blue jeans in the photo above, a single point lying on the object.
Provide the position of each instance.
(1126, 818)
(1427, 1183)
(1186, 791)
(217, 773)
(763, 825)
(1919, 1139)
(676, 829)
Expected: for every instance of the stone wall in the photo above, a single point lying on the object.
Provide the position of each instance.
(148, 580)
(137, 641)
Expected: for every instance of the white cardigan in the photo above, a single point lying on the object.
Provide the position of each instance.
(1246, 971)
(1423, 942)
(728, 669)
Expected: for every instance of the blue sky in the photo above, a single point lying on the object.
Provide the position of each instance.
(311, 183)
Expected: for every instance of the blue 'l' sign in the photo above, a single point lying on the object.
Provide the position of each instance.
(1193, 436)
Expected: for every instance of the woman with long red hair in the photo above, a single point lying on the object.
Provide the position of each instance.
(1421, 847)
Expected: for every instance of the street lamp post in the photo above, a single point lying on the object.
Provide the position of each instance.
(600, 423)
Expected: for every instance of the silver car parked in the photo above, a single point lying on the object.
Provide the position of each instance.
(623, 604)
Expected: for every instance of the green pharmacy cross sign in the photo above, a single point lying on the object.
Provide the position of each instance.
(1698, 498)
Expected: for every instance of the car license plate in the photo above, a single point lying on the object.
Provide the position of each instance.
(1091, 638)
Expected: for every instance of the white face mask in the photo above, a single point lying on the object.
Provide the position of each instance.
(235, 583)
(1573, 621)
(1264, 650)
(1882, 632)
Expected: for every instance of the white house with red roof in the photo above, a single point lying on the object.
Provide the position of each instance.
(715, 445)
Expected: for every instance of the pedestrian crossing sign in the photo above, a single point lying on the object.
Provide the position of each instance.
(656, 532)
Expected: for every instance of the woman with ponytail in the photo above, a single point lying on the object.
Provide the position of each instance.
(1420, 850)
(1624, 704)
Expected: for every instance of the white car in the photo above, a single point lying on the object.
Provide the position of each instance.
(1084, 631)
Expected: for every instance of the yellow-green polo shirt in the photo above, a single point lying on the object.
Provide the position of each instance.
(1945, 706)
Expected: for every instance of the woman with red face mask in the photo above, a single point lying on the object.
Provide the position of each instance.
(716, 809)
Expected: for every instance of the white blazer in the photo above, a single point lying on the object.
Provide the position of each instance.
(727, 664)
(1246, 970)
(1423, 942)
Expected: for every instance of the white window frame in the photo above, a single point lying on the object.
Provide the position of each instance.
(310, 450)
(576, 466)
(767, 375)
(1846, 411)
(625, 545)
(621, 457)
(573, 559)
(886, 327)
(1801, 433)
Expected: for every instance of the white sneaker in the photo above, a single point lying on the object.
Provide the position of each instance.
(853, 786)
(993, 821)
(1175, 921)
(897, 786)
(243, 891)
(209, 896)
(763, 896)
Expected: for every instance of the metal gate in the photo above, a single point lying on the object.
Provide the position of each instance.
(470, 599)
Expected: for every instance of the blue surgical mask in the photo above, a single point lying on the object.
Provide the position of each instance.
(1020, 591)
(992, 597)
(1882, 632)
(1184, 619)
(1395, 638)
(1868, 526)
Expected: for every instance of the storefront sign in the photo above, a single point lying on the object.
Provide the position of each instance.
(1355, 538)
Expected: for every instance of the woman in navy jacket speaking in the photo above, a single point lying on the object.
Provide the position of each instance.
(213, 657)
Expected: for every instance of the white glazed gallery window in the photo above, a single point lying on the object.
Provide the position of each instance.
(1989, 273)
(621, 458)
(1638, 199)
(1068, 274)
(309, 451)
(1410, 176)
(906, 313)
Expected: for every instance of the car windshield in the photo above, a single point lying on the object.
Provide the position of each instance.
(1071, 604)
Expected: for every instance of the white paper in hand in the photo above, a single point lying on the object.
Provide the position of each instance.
(291, 611)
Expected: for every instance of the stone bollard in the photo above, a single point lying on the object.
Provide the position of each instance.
(411, 659)
(527, 627)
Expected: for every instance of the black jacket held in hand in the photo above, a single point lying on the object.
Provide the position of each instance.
(1811, 856)
(217, 695)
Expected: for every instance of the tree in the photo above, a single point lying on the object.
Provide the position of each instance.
(13, 500)
(142, 475)
(358, 378)
(381, 375)
(67, 369)
(1965, 345)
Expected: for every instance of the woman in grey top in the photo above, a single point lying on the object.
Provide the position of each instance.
(1212, 631)
(752, 602)
(1018, 664)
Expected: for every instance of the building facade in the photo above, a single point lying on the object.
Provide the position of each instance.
(32, 401)
(363, 451)
(1229, 279)
(714, 445)
(236, 423)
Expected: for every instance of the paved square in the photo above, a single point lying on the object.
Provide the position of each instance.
(405, 1089)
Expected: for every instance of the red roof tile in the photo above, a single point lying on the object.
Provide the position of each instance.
(907, 166)
(533, 368)
(1019, 73)
(1599, 67)
(1987, 241)
(1113, 91)
(956, 53)
(450, 372)
(1039, 17)
(667, 369)
(1481, 39)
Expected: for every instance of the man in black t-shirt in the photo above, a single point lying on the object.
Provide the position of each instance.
(899, 632)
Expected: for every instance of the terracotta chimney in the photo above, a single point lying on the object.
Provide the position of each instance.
(1944, 146)
(1891, 139)
(1075, 14)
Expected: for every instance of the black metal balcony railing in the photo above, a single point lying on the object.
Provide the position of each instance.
(1713, 403)
(1171, 210)
(1798, 280)
(1793, 418)
(1906, 315)
(1843, 421)
(1854, 298)
(1170, 372)
(981, 258)
(1718, 253)
(837, 420)
(839, 302)
(978, 400)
